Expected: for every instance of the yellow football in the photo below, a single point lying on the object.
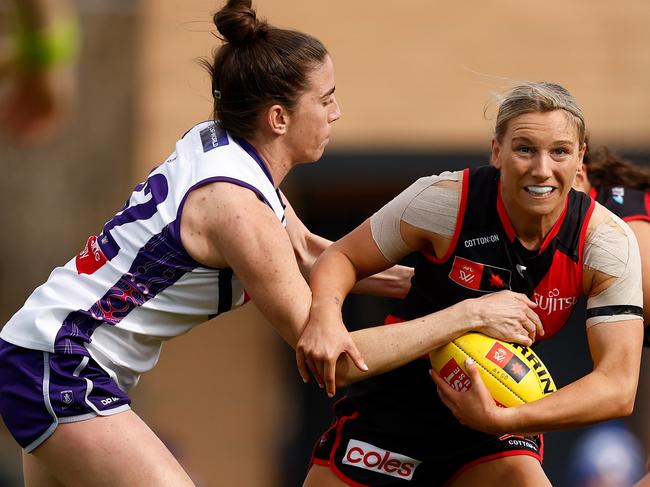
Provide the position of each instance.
(513, 373)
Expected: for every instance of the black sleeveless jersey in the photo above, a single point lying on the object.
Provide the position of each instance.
(628, 204)
(485, 256)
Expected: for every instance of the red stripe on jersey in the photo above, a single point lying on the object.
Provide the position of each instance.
(583, 234)
(459, 222)
(556, 228)
(510, 229)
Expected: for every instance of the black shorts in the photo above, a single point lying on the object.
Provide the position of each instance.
(404, 435)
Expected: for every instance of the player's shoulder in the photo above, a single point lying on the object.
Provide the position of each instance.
(450, 180)
(609, 242)
(604, 220)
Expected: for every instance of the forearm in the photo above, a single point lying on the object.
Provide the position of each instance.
(333, 277)
(592, 399)
(391, 283)
(390, 346)
(605, 393)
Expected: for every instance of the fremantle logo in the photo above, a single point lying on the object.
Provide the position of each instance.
(67, 397)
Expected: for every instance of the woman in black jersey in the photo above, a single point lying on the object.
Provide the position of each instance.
(517, 225)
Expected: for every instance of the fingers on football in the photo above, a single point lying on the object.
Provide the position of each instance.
(477, 383)
(523, 339)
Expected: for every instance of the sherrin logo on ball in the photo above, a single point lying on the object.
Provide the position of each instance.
(513, 373)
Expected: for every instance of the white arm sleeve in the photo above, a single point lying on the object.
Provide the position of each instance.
(424, 205)
(612, 249)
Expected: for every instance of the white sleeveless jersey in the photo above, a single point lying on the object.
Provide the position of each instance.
(133, 286)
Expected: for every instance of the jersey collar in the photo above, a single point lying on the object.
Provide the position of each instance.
(510, 229)
(255, 155)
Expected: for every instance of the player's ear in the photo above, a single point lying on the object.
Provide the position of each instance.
(496, 151)
(581, 181)
(277, 118)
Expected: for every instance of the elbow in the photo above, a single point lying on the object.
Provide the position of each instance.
(623, 404)
(305, 262)
(627, 406)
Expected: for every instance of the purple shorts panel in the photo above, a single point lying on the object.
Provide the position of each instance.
(39, 390)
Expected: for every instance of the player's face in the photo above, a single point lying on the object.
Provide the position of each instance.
(311, 121)
(538, 158)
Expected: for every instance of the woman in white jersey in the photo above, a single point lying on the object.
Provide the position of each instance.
(206, 224)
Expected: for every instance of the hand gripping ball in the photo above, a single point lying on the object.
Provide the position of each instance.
(513, 373)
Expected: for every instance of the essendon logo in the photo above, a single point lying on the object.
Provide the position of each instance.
(90, 258)
(479, 277)
(508, 361)
(453, 375)
(364, 455)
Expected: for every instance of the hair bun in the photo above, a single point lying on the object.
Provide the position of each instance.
(238, 24)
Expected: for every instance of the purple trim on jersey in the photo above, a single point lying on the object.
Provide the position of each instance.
(158, 265)
(175, 230)
(255, 155)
